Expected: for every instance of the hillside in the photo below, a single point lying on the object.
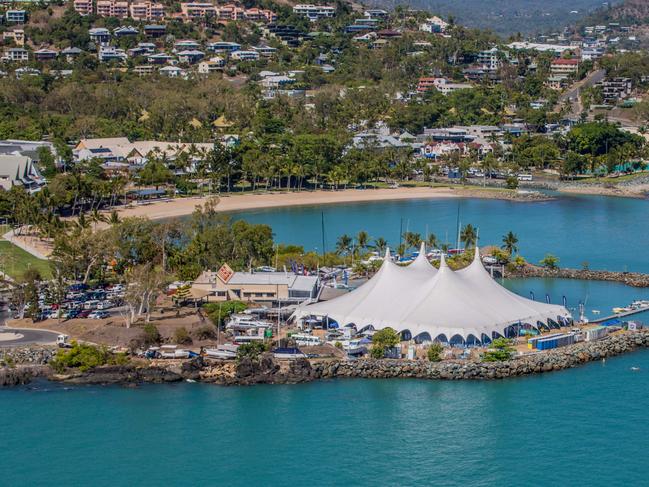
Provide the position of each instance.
(628, 12)
(506, 17)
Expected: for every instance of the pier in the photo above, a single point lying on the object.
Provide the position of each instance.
(621, 315)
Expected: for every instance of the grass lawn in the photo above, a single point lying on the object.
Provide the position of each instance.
(15, 261)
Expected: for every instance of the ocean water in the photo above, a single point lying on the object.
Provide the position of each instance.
(583, 426)
(579, 427)
(607, 233)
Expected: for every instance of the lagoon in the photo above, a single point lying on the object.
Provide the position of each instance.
(604, 232)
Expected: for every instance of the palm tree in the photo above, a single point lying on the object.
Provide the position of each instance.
(362, 239)
(509, 243)
(380, 245)
(343, 244)
(469, 236)
(114, 218)
(431, 241)
(412, 239)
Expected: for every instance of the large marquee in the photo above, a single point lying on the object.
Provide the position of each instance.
(424, 303)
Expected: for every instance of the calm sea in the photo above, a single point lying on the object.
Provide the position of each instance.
(584, 426)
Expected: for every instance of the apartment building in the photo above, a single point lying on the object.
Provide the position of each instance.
(83, 7)
(111, 8)
(563, 68)
(314, 12)
(147, 11)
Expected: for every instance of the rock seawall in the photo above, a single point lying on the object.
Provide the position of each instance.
(635, 279)
(268, 370)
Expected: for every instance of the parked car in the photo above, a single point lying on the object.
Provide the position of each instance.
(84, 313)
(99, 315)
(91, 304)
(105, 305)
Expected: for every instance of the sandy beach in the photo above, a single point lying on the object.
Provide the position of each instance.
(185, 206)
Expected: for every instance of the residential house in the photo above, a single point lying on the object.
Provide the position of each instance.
(19, 170)
(186, 44)
(159, 58)
(45, 54)
(17, 36)
(155, 31)
(314, 12)
(489, 60)
(433, 25)
(109, 53)
(99, 35)
(265, 51)
(198, 10)
(171, 72)
(616, 89)
(442, 85)
(16, 16)
(16, 54)
(71, 53)
(144, 69)
(191, 56)
(223, 46)
(245, 56)
(212, 65)
(125, 31)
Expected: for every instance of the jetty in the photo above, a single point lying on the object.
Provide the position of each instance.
(634, 311)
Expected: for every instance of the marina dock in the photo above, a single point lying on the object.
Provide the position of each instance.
(621, 315)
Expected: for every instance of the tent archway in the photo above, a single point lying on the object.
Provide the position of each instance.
(423, 338)
(405, 335)
(441, 338)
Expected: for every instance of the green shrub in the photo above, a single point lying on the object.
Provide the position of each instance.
(500, 351)
(512, 182)
(251, 350)
(435, 352)
(182, 336)
(219, 312)
(382, 340)
(84, 357)
(151, 334)
(377, 352)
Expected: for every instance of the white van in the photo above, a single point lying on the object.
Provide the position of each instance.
(525, 177)
(91, 304)
(306, 340)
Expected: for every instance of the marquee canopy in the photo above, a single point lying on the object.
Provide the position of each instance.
(436, 304)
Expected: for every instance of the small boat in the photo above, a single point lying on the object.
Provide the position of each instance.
(288, 353)
(220, 354)
(596, 311)
(635, 369)
(621, 310)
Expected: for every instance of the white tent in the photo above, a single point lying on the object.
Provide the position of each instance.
(427, 303)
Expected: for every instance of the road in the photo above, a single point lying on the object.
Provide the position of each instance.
(28, 336)
(572, 94)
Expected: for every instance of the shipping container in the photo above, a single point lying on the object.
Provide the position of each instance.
(531, 342)
(560, 340)
(596, 333)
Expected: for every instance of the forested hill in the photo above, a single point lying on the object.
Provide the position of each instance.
(628, 12)
(506, 16)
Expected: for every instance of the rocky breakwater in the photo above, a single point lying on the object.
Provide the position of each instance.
(560, 359)
(635, 279)
(20, 365)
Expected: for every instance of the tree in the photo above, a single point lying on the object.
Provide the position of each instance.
(432, 241)
(550, 262)
(380, 245)
(362, 240)
(382, 340)
(412, 239)
(144, 284)
(509, 243)
(500, 351)
(434, 352)
(469, 236)
(344, 244)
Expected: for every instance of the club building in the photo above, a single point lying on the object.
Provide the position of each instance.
(258, 287)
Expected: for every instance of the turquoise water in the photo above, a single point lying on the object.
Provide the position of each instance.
(608, 233)
(578, 427)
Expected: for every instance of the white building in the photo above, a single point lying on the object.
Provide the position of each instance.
(314, 12)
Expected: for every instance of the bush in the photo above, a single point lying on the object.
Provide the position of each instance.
(382, 340)
(85, 357)
(550, 261)
(207, 332)
(512, 182)
(219, 312)
(377, 352)
(251, 350)
(182, 336)
(435, 352)
(500, 351)
(151, 334)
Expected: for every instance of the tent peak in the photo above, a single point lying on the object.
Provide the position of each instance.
(442, 261)
(387, 256)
